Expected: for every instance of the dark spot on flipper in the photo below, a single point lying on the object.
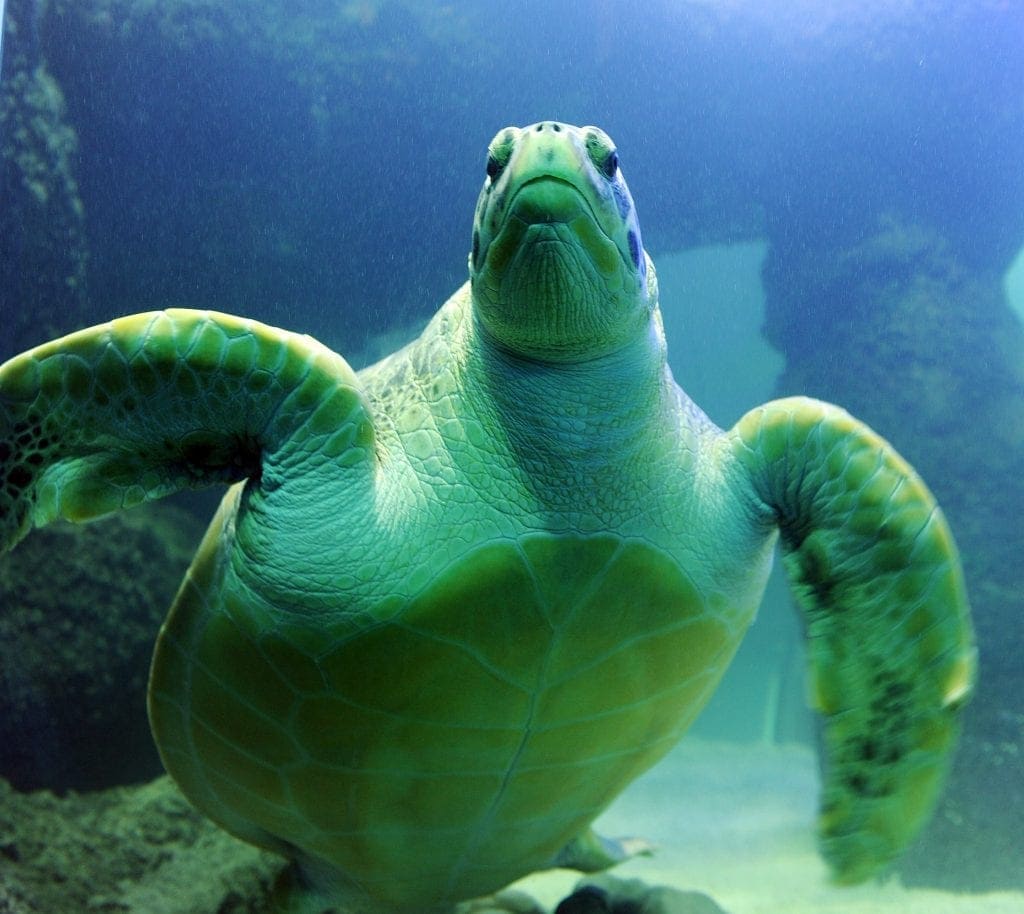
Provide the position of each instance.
(858, 783)
(822, 590)
(882, 750)
(891, 756)
(5, 451)
(867, 762)
(892, 696)
(868, 750)
(815, 577)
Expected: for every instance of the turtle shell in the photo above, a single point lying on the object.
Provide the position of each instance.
(459, 740)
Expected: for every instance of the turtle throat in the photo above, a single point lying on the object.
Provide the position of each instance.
(552, 285)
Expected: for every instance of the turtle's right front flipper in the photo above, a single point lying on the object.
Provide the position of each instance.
(146, 405)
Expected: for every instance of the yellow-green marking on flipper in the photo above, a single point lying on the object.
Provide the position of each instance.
(874, 566)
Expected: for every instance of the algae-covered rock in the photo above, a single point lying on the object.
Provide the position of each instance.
(43, 253)
(43, 250)
(133, 850)
(81, 609)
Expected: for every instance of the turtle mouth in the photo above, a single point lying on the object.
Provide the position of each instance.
(551, 209)
(548, 199)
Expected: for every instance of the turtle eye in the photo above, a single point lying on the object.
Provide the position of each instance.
(499, 152)
(602, 152)
(611, 164)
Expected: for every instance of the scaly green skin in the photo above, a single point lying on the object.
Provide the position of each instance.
(462, 599)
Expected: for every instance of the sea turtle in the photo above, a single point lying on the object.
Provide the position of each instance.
(454, 603)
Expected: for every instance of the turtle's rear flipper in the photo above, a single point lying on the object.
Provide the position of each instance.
(892, 656)
(146, 405)
(591, 852)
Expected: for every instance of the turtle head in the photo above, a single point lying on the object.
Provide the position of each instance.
(558, 271)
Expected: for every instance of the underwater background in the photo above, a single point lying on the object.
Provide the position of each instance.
(833, 194)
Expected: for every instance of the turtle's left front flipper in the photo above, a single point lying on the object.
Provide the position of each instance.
(149, 404)
(891, 647)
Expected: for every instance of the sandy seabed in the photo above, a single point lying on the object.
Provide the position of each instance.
(734, 822)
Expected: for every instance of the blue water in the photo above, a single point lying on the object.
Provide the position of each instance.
(338, 158)
(3, 4)
(835, 188)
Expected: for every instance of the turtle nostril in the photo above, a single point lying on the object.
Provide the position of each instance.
(556, 127)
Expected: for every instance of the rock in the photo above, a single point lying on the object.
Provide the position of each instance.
(131, 850)
(611, 895)
(82, 606)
